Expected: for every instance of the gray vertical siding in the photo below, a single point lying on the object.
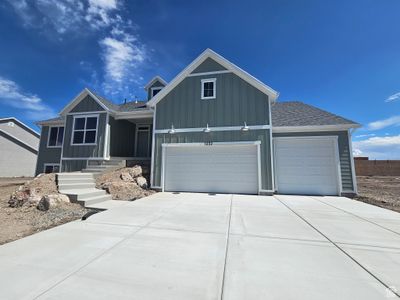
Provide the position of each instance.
(73, 165)
(236, 102)
(46, 155)
(87, 105)
(221, 136)
(209, 65)
(344, 153)
(122, 138)
(71, 151)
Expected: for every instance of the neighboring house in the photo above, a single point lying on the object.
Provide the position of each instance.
(213, 128)
(18, 148)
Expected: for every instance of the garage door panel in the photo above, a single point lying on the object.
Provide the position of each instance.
(217, 168)
(306, 166)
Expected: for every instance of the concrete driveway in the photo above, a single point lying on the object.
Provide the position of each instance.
(199, 246)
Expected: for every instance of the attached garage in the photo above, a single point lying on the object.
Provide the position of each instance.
(307, 165)
(216, 168)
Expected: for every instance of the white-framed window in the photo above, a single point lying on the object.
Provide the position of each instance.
(85, 130)
(56, 137)
(155, 90)
(208, 88)
(51, 168)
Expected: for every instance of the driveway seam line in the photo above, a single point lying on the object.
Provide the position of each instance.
(226, 250)
(104, 252)
(342, 250)
(364, 219)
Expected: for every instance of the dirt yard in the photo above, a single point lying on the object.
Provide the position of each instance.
(383, 191)
(22, 221)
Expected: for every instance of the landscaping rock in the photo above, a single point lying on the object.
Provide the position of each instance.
(135, 171)
(142, 182)
(126, 176)
(50, 201)
(44, 204)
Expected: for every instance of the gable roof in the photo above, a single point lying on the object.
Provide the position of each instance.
(298, 114)
(21, 124)
(208, 53)
(151, 82)
(18, 141)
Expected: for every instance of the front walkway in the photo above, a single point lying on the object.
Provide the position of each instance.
(199, 246)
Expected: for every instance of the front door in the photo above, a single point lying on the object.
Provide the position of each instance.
(143, 141)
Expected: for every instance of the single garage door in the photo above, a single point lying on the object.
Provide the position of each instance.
(306, 165)
(226, 168)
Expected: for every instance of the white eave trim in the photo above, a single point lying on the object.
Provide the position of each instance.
(154, 79)
(136, 114)
(85, 92)
(283, 129)
(208, 53)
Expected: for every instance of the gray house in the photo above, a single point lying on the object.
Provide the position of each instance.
(19, 146)
(213, 128)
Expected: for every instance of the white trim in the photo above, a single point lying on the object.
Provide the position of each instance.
(58, 131)
(84, 130)
(155, 88)
(87, 113)
(84, 158)
(148, 126)
(267, 191)
(226, 128)
(138, 114)
(271, 150)
(283, 129)
(207, 80)
(168, 145)
(334, 139)
(106, 151)
(153, 148)
(154, 79)
(85, 92)
(353, 170)
(208, 53)
(209, 73)
(51, 164)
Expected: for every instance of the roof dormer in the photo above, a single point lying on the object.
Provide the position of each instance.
(154, 86)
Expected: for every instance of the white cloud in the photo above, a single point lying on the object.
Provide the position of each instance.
(365, 135)
(380, 124)
(11, 94)
(394, 97)
(380, 147)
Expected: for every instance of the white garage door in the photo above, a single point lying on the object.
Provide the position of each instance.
(217, 168)
(306, 165)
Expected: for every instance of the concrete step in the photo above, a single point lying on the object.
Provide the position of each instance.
(76, 186)
(74, 175)
(63, 181)
(93, 170)
(82, 194)
(93, 200)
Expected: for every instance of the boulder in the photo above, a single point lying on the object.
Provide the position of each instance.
(135, 171)
(52, 200)
(18, 198)
(142, 182)
(126, 176)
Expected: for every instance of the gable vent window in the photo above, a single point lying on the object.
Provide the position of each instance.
(56, 137)
(208, 88)
(85, 130)
(155, 91)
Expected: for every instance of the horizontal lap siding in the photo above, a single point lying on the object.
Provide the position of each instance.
(344, 153)
(46, 155)
(236, 102)
(221, 136)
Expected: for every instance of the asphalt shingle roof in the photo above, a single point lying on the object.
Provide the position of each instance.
(296, 113)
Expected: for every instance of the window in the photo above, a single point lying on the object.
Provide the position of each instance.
(85, 129)
(56, 136)
(155, 91)
(51, 168)
(208, 88)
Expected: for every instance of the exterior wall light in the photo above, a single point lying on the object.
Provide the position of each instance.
(245, 127)
(207, 129)
(172, 130)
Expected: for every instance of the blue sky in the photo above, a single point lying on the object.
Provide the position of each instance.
(342, 56)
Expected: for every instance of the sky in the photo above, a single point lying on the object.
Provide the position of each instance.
(342, 56)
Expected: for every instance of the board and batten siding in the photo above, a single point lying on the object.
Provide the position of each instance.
(344, 153)
(218, 136)
(47, 155)
(209, 65)
(87, 105)
(236, 102)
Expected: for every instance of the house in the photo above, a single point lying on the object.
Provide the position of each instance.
(213, 128)
(19, 146)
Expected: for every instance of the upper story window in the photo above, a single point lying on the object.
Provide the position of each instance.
(56, 137)
(208, 88)
(85, 130)
(155, 91)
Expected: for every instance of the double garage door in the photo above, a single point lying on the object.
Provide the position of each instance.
(302, 166)
(215, 168)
